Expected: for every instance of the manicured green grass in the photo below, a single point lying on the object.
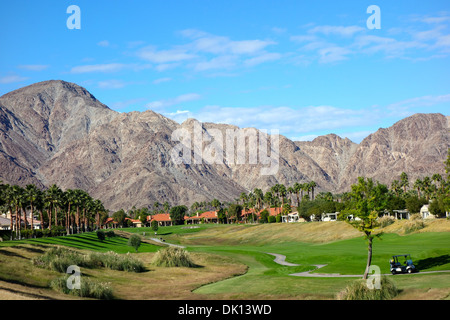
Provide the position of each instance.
(87, 241)
(264, 278)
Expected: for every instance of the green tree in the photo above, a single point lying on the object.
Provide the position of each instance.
(32, 193)
(134, 241)
(404, 182)
(119, 217)
(177, 214)
(367, 200)
(235, 211)
(154, 225)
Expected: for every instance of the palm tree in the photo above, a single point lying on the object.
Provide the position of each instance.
(418, 184)
(282, 191)
(259, 197)
(243, 197)
(438, 178)
(18, 199)
(297, 188)
(312, 185)
(8, 196)
(32, 193)
(404, 181)
(268, 199)
(396, 186)
(98, 207)
(290, 191)
(70, 196)
(53, 202)
(426, 185)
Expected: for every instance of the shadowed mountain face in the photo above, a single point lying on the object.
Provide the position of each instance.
(57, 132)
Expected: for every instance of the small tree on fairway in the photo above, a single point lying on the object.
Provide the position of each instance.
(134, 241)
(154, 225)
(367, 200)
(100, 235)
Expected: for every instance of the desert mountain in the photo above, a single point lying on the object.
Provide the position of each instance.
(57, 132)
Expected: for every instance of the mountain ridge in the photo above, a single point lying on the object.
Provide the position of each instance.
(57, 132)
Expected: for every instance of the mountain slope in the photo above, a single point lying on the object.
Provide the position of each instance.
(57, 132)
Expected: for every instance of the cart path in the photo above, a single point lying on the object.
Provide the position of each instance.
(169, 244)
(281, 259)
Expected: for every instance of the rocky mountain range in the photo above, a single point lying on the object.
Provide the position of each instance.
(56, 132)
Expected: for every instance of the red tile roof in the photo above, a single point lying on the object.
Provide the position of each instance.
(161, 217)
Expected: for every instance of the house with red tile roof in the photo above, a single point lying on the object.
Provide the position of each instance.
(163, 219)
(206, 217)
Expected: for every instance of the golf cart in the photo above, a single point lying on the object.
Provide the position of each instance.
(402, 263)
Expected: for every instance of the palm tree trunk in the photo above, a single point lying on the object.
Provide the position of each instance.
(11, 222)
(32, 212)
(49, 213)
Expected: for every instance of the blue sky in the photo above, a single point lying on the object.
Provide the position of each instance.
(306, 68)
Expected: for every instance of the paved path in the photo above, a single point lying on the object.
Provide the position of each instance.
(169, 244)
(281, 259)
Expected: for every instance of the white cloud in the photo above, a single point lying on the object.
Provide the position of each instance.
(161, 104)
(34, 67)
(111, 84)
(333, 54)
(12, 79)
(265, 57)
(104, 43)
(161, 80)
(337, 30)
(220, 62)
(150, 53)
(110, 67)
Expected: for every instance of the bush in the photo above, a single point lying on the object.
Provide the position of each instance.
(114, 261)
(89, 288)
(386, 221)
(271, 219)
(358, 290)
(100, 235)
(173, 257)
(59, 259)
(134, 241)
(110, 234)
(413, 224)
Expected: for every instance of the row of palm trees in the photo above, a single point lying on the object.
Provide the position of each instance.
(429, 187)
(279, 195)
(75, 210)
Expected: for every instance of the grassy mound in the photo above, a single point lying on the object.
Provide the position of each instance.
(358, 290)
(59, 259)
(173, 257)
(88, 288)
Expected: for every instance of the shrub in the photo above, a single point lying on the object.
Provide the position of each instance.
(110, 234)
(59, 259)
(358, 290)
(134, 241)
(114, 261)
(386, 221)
(100, 235)
(271, 219)
(173, 257)
(413, 224)
(89, 288)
